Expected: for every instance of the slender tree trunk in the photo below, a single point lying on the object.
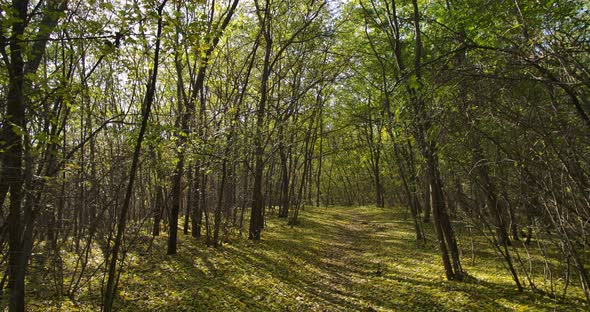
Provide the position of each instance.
(200, 180)
(197, 209)
(175, 206)
(437, 205)
(204, 206)
(318, 192)
(284, 202)
(14, 127)
(189, 201)
(184, 112)
(427, 198)
(256, 218)
(219, 206)
(405, 169)
(495, 204)
(112, 281)
(158, 208)
(306, 167)
(379, 200)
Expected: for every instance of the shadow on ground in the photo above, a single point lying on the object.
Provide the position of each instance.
(337, 259)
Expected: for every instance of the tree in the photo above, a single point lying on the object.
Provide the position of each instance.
(113, 275)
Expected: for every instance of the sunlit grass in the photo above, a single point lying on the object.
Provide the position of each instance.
(337, 259)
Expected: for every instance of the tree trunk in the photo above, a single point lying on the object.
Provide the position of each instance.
(284, 202)
(197, 209)
(256, 218)
(189, 201)
(175, 206)
(219, 206)
(112, 280)
(158, 209)
(14, 127)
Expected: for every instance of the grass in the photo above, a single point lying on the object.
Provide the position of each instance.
(337, 259)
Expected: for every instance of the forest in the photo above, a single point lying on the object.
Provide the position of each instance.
(295, 155)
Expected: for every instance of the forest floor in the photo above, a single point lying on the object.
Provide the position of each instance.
(337, 259)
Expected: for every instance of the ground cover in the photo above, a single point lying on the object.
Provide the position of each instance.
(337, 259)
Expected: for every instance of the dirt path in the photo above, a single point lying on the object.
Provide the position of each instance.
(348, 264)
